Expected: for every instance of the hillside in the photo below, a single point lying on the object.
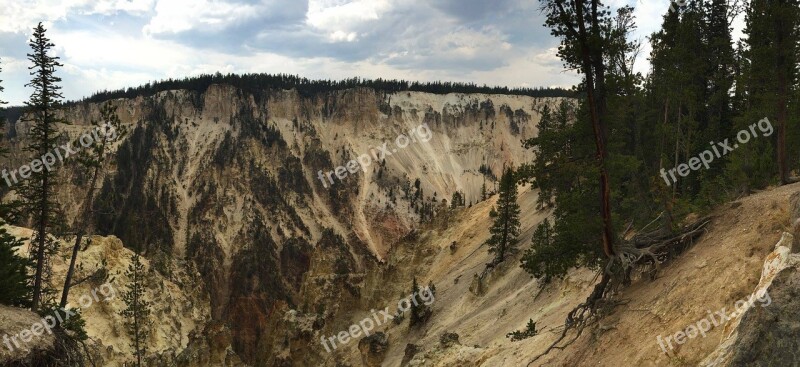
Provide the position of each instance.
(725, 265)
(722, 267)
(227, 183)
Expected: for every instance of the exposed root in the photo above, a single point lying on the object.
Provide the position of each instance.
(581, 316)
(656, 247)
(643, 250)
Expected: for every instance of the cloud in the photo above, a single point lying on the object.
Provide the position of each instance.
(22, 16)
(212, 17)
(107, 44)
(340, 20)
(174, 16)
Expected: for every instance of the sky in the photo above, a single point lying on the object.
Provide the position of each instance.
(113, 44)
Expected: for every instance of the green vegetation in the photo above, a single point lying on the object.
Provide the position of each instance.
(38, 191)
(613, 143)
(505, 229)
(137, 310)
(529, 331)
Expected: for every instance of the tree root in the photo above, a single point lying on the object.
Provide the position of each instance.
(656, 247)
(580, 316)
(647, 249)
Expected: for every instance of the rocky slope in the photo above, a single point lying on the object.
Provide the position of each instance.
(254, 260)
(179, 308)
(226, 183)
(746, 251)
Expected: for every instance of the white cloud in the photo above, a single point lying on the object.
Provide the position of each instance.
(10, 64)
(112, 50)
(337, 16)
(469, 43)
(341, 36)
(22, 16)
(126, 6)
(173, 16)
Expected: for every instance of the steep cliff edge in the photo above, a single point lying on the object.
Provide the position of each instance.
(227, 182)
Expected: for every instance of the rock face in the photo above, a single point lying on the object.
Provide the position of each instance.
(17, 352)
(768, 335)
(373, 349)
(765, 333)
(237, 186)
(179, 309)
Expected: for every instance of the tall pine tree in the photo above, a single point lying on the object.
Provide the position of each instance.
(767, 81)
(38, 191)
(505, 229)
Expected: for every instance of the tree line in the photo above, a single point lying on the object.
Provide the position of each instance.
(257, 83)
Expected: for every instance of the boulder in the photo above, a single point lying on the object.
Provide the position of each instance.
(373, 349)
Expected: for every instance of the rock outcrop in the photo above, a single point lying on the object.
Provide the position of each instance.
(765, 333)
(19, 347)
(373, 349)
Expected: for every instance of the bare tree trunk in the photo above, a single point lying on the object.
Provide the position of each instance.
(83, 223)
(678, 133)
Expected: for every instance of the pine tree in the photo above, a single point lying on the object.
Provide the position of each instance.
(582, 27)
(505, 229)
(550, 150)
(137, 312)
(93, 159)
(38, 191)
(766, 82)
(15, 288)
(457, 200)
(530, 330)
(720, 72)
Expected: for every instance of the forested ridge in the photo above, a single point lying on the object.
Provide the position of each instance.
(255, 83)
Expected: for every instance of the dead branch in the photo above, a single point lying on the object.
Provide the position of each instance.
(98, 274)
